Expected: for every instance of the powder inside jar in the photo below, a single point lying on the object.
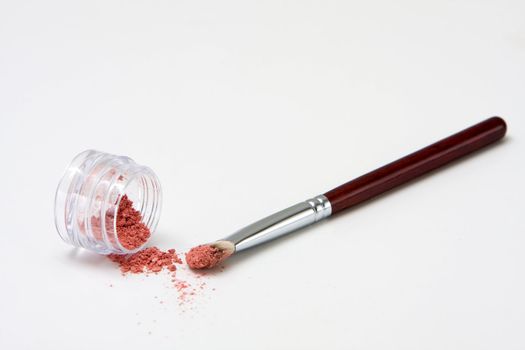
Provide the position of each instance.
(131, 231)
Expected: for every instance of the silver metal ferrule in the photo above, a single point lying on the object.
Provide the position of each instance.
(281, 223)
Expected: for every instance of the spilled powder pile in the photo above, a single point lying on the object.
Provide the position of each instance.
(131, 231)
(204, 257)
(147, 260)
(153, 260)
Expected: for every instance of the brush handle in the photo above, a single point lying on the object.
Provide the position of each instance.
(365, 187)
(416, 164)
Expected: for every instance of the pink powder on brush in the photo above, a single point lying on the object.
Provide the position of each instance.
(204, 257)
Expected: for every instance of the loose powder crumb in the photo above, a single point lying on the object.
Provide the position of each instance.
(151, 259)
(204, 257)
(131, 231)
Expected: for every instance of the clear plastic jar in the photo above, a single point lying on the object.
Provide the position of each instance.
(88, 197)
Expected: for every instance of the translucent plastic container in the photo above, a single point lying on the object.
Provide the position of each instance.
(89, 194)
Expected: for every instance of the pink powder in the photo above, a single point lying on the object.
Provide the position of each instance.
(151, 259)
(204, 257)
(131, 231)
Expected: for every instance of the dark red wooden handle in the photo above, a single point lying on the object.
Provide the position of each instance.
(416, 164)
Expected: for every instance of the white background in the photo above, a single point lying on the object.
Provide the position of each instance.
(243, 108)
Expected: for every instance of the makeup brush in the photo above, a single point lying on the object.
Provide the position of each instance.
(350, 194)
